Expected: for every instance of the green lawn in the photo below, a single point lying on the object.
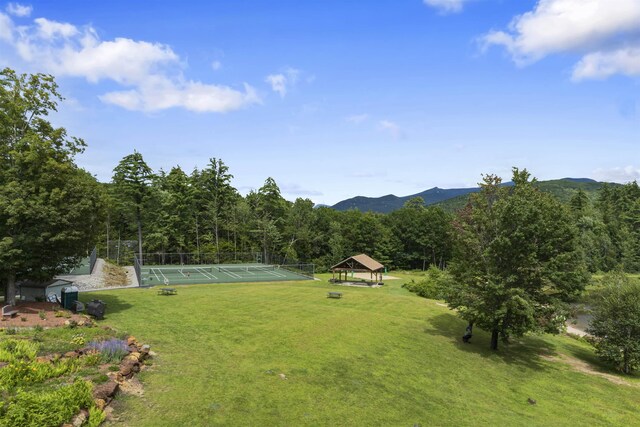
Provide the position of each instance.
(375, 357)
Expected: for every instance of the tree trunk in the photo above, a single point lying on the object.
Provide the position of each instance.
(108, 222)
(118, 254)
(198, 240)
(10, 296)
(494, 339)
(626, 365)
(140, 238)
(217, 242)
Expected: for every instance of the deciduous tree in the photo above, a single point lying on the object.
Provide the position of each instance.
(616, 322)
(48, 206)
(516, 261)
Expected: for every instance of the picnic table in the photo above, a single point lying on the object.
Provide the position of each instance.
(167, 291)
(334, 294)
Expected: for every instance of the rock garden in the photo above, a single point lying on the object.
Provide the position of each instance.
(61, 369)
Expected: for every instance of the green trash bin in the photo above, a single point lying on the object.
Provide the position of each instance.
(69, 296)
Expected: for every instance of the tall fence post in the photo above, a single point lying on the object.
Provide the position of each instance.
(92, 259)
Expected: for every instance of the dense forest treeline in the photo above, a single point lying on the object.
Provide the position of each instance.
(202, 213)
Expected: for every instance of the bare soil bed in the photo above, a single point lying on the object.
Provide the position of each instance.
(29, 316)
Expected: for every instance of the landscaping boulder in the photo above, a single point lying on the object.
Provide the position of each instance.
(80, 419)
(144, 350)
(100, 403)
(105, 391)
(129, 367)
(136, 355)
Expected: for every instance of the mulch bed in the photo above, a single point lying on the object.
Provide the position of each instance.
(30, 312)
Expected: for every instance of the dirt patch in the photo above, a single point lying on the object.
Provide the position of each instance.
(114, 275)
(132, 387)
(585, 368)
(29, 316)
(367, 276)
(575, 331)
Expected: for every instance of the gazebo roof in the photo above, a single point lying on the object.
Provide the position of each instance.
(360, 262)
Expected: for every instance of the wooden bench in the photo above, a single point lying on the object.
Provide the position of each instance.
(167, 291)
(334, 295)
(8, 310)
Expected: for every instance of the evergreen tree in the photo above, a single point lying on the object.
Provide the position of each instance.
(132, 180)
(216, 197)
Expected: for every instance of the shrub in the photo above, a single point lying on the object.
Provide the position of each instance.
(38, 328)
(12, 350)
(112, 350)
(21, 372)
(91, 359)
(78, 340)
(96, 417)
(435, 284)
(616, 322)
(72, 324)
(36, 409)
(42, 314)
(63, 313)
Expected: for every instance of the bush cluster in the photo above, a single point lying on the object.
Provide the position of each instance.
(435, 284)
(39, 409)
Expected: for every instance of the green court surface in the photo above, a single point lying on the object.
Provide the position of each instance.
(152, 275)
(82, 269)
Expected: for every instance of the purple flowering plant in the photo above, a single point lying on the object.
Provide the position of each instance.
(112, 350)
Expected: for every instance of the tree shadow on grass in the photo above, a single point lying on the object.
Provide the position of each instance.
(114, 303)
(525, 351)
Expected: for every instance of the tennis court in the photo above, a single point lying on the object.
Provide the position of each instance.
(151, 275)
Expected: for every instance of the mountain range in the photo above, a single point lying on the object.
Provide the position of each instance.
(455, 198)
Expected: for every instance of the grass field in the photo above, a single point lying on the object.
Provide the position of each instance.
(375, 357)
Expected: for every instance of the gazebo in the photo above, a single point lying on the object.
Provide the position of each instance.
(359, 263)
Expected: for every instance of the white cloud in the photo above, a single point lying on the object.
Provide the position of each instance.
(282, 82)
(591, 27)
(51, 29)
(391, 128)
(297, 190)
(600, 65)
(6, 28)
(160, 94)
(19, 10)
(618, 174)
(150, 73)
(278, 83)
(446, 6)
(357, 118)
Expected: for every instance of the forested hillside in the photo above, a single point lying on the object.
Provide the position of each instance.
(455, 198)
(202, 213)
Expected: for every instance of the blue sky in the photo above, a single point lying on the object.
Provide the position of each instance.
(341, 98)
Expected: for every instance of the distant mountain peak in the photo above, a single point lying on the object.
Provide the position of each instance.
(391, 202)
